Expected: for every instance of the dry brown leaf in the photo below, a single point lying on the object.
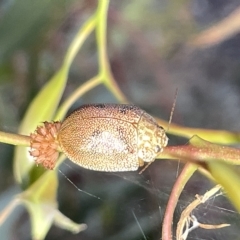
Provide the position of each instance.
(188, 219)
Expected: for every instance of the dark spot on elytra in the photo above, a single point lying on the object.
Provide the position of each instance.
(96, 133)
(125, 108)
(100, 105)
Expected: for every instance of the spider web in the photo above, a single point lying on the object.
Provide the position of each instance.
(132, 206)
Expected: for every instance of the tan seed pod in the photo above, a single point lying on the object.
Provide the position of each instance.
(44, 146)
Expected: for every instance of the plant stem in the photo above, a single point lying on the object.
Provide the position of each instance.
(179, 185)
(78, 40)
(14, 139)
(90, 84)
(101, 30)
(104, 66)
(8, 210)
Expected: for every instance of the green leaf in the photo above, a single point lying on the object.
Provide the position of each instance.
(40, 200)
(44, 105)
(227, 177)
(41, 109)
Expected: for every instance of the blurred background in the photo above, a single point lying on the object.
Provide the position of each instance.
(154, 46)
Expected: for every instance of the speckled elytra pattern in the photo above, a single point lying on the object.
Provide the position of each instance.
(111, 137)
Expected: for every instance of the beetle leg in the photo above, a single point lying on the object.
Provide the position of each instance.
(141, 162)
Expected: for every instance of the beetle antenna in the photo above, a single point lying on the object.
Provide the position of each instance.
(173, 107)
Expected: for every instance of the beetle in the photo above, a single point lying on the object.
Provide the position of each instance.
(111, 137)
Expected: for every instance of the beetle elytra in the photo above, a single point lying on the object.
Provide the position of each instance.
(111, 137)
